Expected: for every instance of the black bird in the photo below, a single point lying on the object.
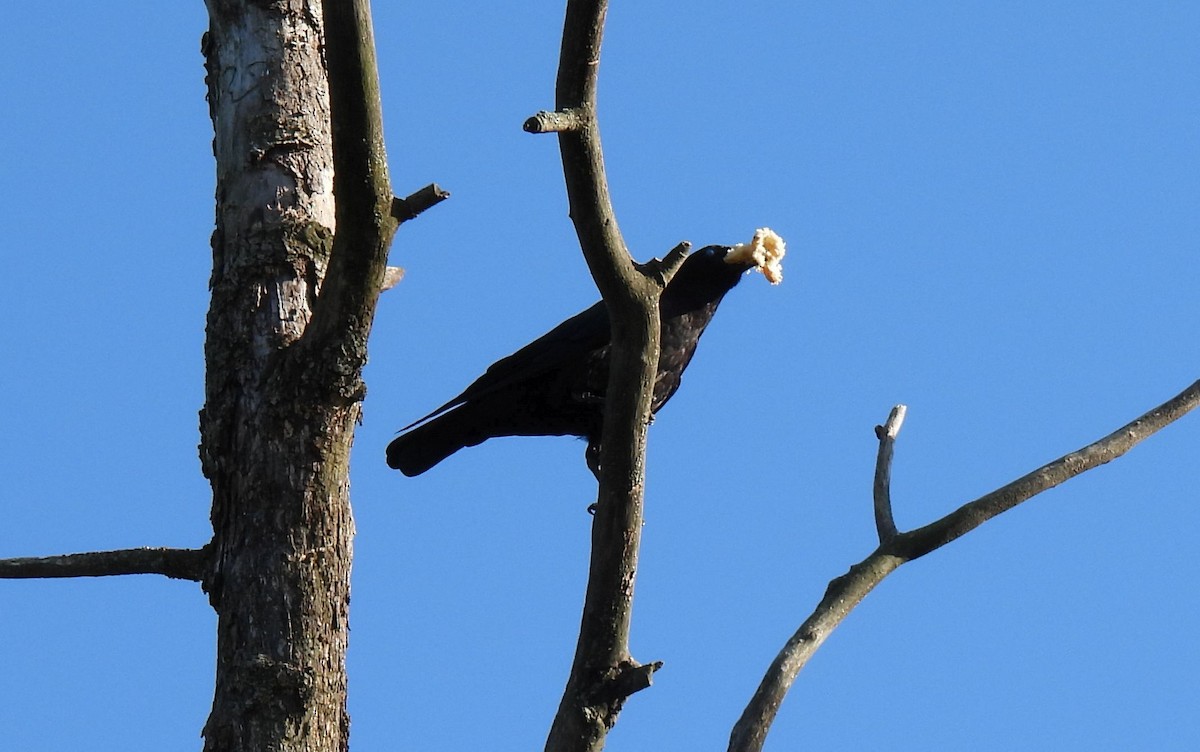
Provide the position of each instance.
(554, 386)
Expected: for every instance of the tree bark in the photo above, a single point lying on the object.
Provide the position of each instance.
(275, 437)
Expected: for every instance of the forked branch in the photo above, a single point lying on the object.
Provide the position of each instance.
(845, 592)
(344, 310)
(367, 213)
(603, 673)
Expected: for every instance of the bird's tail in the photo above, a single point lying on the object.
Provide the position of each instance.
(428, 444)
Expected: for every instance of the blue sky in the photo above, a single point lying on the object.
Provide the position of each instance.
(991, 217)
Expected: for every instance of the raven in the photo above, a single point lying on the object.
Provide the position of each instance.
(555, 385)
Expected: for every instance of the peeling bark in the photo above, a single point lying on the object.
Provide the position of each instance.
(274, 443)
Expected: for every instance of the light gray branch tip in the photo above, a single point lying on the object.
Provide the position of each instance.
(391, 277)
(895, 420)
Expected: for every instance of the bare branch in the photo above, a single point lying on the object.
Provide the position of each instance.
(556, 122)
(885, 523)
(590, 702)
(913, 545)
(845, 592)
(176, 563)
(842, 595)
(583, 158)
(404, 209)
(362, 190)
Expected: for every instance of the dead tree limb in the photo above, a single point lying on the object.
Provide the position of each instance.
(845, 592)
(362, 189)
(176, 563)
(601, 672)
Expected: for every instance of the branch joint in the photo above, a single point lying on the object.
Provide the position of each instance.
(662, 270)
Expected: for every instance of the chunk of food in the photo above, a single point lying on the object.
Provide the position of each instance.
(765, 250)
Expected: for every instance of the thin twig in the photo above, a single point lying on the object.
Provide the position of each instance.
(885, 523)
(176, 563)
(917, 543)
(842, 595)
(845, 592)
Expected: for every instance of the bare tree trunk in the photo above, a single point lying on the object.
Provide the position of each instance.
(294, 96)
(274, 444)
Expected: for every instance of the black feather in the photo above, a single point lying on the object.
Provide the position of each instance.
(554, 386)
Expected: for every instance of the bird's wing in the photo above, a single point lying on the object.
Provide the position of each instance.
(580, 334)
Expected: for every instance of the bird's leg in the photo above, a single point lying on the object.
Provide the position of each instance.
(592, 456)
